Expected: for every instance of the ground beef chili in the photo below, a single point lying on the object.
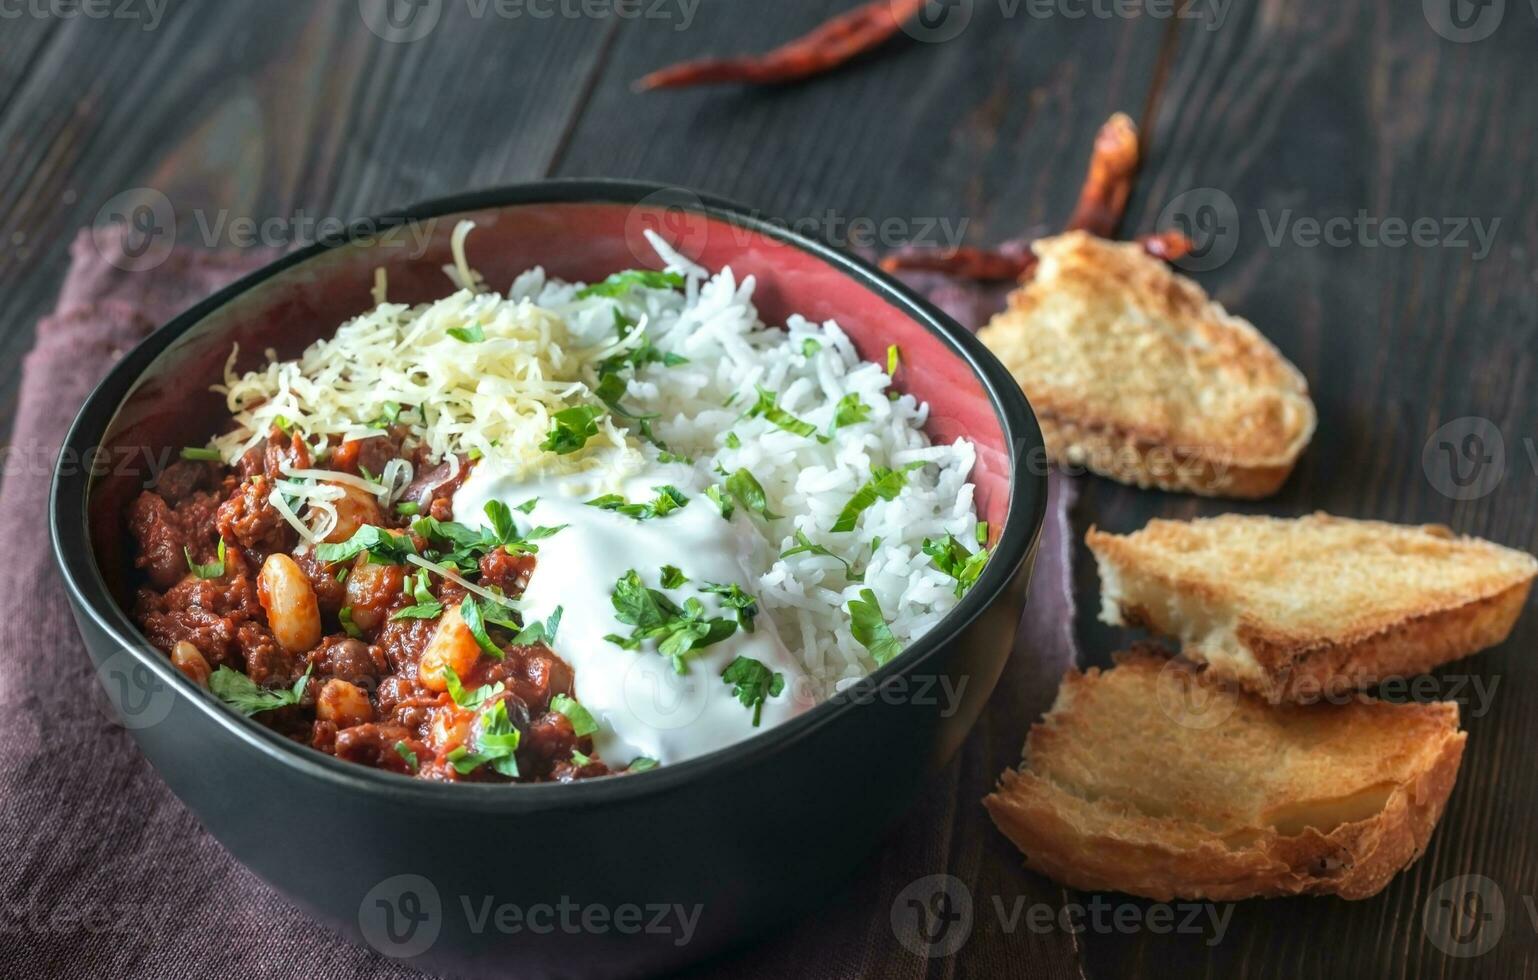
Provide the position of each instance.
(347, 655)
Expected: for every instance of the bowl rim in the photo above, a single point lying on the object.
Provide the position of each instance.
(1025, 512)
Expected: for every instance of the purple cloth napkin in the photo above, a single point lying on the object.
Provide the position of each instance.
(107, 875)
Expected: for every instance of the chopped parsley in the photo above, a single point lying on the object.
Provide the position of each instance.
(982, 533)
(344, 616)
(722, 501)
(383, 547)
(469, 699)
(673, 577)
(463, 547)
(426, 607)
(768, 407)
(475, 620)
(642, 763)
(748, 492)
(732, 597)
(245, 696)
(571, 428)
(527, 507)
(893, 359)
(544, 632)
(884, 484)
(753, 684)
(849, 411)
(656, 617)
(201, 455)
(408, 508)
(810, 346)
(621, 283)
(473, 334)
(732, 442)
(581, 719)
(404, 751)
(952, 557)
(668, 500)
(870, 627)
(496, 740)
(213, 569)
(806, 546)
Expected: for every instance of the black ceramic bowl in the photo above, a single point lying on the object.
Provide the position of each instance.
(575, 876)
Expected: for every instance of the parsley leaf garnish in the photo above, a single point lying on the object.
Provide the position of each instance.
(748, 492)
(952, 557)
(849, 411)
(893, 359)
(673, 577)
(469, 699)
(753, 684)
(642, 763)
(470, 611)
(732, 597)
(344, 616)
(581, 719)
(768, 407)
(383, 547)
(668, 500)
(621, 283)
(404, 751)
(213, 569)
(426, 606)
(810, 346)
(571, 428)
(473, 334)
(884, 484)
(870, 628)
(544, 632)
(656, 617)
(202, 455)
(496, 740)
(722, 501)
(246, 696)
(806, 546)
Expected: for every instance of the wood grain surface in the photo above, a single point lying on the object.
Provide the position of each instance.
(1262, 118)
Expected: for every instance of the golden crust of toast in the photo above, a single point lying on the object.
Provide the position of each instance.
(1136, 374)
(1298, 609)
(1154, 780)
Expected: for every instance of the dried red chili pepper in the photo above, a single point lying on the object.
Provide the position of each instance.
(1108, 182)
(963, 262)
(1102, 202)
(1170, 246)
(838, 40)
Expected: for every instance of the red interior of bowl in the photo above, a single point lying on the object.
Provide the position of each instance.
(172, 407)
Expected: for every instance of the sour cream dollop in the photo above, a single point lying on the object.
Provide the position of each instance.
(643, 706)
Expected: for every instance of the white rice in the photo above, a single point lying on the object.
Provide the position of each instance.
(714, 323)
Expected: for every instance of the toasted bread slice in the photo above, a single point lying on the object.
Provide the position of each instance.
(1299, 609)
(1137, 375)
(1152, 780)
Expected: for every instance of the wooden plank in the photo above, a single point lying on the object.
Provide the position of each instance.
(1319, 110)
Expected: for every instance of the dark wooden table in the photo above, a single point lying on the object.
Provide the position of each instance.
(1261, 118)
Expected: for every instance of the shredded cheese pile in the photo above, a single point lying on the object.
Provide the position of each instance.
(470, 375)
